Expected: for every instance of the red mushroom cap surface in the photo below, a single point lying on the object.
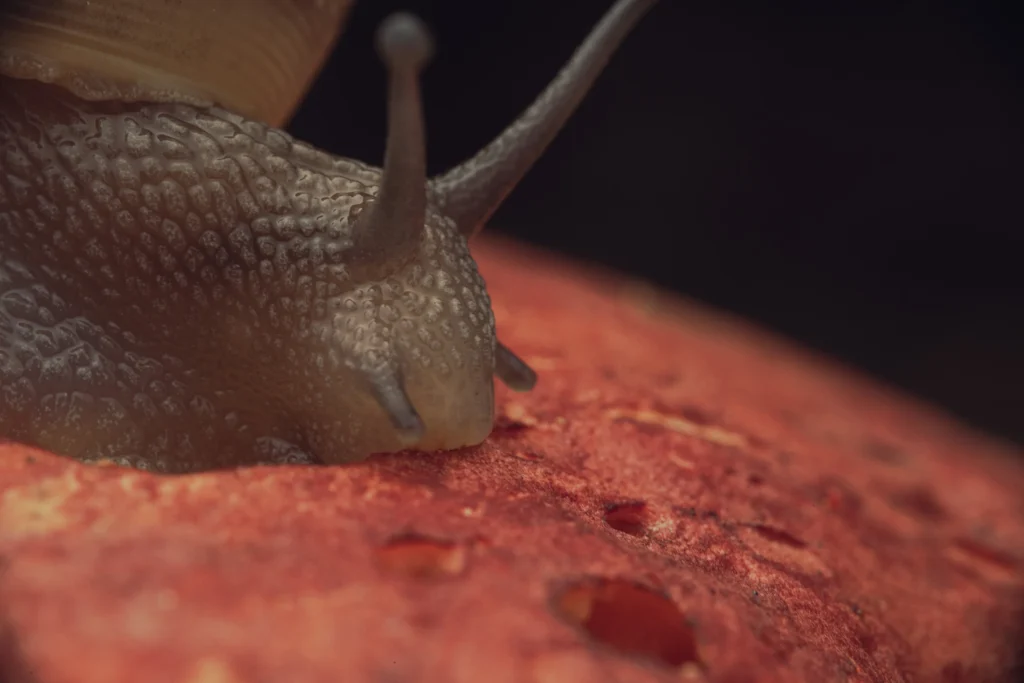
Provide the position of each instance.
(682, 497)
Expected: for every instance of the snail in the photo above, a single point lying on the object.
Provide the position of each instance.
(184, 286)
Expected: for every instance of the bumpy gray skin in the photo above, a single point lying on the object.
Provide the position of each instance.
(179, 290)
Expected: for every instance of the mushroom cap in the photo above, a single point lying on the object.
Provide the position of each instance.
(682, 497)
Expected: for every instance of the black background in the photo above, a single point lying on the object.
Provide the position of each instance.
(845, 174)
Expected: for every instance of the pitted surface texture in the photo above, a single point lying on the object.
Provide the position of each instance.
(682, 497)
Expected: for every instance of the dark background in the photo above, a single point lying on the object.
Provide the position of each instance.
(849, 176)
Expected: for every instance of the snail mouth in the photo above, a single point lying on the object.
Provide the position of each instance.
(455, 415)
(458, 433)
(404, 412)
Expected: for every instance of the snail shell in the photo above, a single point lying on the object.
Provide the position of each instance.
(253, 57)
(185, 286)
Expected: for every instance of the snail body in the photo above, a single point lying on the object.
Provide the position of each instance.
(185, 286)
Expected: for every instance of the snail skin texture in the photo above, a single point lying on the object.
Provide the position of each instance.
(184, 286)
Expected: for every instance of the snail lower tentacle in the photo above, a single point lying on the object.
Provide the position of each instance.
(183, 286)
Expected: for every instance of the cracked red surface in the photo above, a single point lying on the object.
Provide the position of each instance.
(682, 497)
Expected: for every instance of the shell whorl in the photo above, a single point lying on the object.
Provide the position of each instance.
(254, 57)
